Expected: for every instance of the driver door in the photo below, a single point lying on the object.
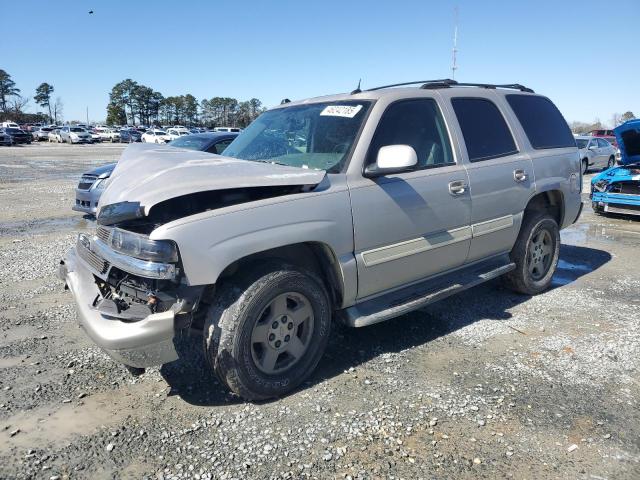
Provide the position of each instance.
(414, 224)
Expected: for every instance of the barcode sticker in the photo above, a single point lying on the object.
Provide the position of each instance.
(347, 111)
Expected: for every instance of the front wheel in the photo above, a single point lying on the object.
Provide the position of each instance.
(535, 254)
(267, 331)
(585, 166)
(611, 163)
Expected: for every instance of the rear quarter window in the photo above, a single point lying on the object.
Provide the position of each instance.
(541, 121)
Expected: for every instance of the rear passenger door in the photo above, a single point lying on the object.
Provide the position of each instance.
(500, 175)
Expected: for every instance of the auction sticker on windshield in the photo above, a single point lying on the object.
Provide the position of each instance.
(348, 111)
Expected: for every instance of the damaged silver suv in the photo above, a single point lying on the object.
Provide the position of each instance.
(356, 208)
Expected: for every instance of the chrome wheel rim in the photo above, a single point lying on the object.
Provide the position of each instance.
(282, 333)
(540, 254)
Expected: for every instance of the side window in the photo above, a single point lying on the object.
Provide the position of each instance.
(484, 129)
(542, 122)
(219, 147)
(417, 123)
(602, 143)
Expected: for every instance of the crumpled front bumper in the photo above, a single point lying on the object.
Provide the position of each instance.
(141, 343)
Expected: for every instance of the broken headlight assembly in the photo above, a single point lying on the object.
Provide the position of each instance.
(141, 247)
(601, 186)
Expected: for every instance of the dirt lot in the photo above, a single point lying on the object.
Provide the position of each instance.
(486, 384)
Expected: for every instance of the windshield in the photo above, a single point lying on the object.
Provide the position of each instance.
(582, 142)
(159, 132)
(191, 142)
(76, 129)
(317, 136)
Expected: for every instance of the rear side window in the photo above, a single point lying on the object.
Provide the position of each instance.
(419, 124)
(542, 122)
(484, 129)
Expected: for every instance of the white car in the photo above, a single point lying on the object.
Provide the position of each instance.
(177, 132)
(155, 136)
(108, 134)
(227, 129)
(595, 152)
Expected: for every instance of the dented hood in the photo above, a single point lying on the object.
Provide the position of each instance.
(150, 174)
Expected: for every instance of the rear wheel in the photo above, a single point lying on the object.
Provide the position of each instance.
(535, 254)
(585, 166)
(268, 331)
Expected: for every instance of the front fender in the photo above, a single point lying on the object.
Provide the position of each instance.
(211, 241)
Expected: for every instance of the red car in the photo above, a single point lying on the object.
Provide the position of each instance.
(608, 135)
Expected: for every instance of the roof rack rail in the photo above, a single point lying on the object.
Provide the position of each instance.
(513, 86)
(447, 83)
(409, 83)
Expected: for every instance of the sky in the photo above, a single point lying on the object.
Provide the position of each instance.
(581, 54)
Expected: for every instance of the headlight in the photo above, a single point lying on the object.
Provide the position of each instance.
(140, 246)
(100, 184)
(600, 186)
(73, 135)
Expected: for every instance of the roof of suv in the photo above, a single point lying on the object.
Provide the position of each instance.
(400, 88)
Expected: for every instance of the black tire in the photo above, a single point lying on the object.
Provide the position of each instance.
(611, 163)
(230, 323)
(523, 254)
(585, 166)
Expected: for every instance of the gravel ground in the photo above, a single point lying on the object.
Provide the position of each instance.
(485, 384)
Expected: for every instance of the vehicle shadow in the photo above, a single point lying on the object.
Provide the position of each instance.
(191, 378)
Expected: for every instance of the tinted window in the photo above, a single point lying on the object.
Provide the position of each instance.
(603, 143)
(542, 122)
(417, 123)
(484, 129)
(220, 146)
(581, 142)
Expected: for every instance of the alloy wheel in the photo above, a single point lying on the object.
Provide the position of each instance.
(282, 333)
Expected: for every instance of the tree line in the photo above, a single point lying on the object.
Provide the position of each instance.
(586, 127)
(131, 103)
(13, 104)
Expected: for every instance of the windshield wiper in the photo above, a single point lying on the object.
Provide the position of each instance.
(272, 161)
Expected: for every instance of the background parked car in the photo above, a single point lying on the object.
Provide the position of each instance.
(608, 135)
(227, 129)
(93, 182)
(5, 139)
(155, 136)
(40, 134)
(95, 136)
(108, 134)
(130, 135)
(175, 133)
(212, 142)
(595, 152)
(72, 134)
(54, 136)
(17, 135)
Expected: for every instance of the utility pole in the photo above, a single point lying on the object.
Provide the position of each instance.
(87, 117)
(454, 63)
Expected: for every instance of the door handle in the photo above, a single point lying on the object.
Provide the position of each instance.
(457, 187)
(519, 175)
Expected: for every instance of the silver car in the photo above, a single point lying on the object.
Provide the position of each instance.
(353, 208)
(595, 152)
(72, 134)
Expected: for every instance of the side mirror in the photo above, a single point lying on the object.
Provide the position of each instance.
(392, 159)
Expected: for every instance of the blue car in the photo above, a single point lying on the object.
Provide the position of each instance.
(617, 190)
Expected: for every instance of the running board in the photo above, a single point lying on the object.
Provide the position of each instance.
(422, 294)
